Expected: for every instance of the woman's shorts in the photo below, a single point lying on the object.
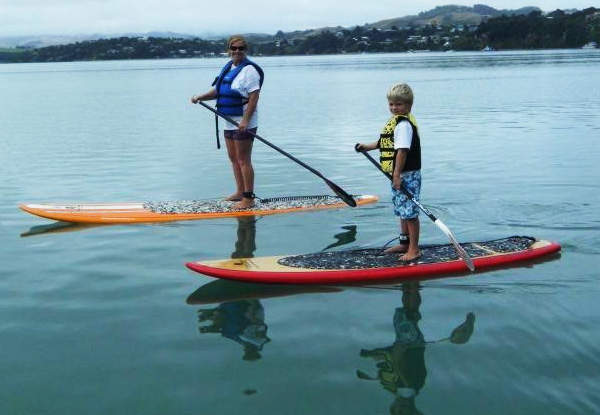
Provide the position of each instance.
(238, 135)
(403, 206)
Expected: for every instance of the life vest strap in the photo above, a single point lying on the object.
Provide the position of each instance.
(217, 131)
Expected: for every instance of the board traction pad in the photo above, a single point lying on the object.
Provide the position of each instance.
(221, 205)
(376, 258)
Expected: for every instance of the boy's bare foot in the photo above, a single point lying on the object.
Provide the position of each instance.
(400, 248)
(410, 256)
(245, 203)
(236, 197)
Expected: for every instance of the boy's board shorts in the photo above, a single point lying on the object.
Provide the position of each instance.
(403, 206)
(237, 135)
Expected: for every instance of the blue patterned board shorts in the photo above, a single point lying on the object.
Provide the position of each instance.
(403, 206)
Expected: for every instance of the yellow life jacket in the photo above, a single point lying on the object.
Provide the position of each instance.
(387, 156)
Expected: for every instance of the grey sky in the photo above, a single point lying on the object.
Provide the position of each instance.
(75, 17)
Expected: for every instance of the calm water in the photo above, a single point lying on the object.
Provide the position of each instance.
(107, 320)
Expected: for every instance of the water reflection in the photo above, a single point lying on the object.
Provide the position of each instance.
(245, 244)
(401, 367)
(344, 238)
(57, 227)
(242, 321)
(240, 316)
(219, 291)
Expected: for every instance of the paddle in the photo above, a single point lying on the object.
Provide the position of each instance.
(459, 249)
(342, 194)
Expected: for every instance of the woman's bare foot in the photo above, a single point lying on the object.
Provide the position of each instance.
(245, 203)
(410, 256)
(400, 248)
(236, 197)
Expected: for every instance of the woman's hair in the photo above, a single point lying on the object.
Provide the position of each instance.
(236, 38)
(400, 93)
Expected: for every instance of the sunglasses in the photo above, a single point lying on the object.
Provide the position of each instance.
(240, 48)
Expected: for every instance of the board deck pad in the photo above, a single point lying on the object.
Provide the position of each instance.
(164, 211)
(222, 205)
(373, 264)
(377, 258)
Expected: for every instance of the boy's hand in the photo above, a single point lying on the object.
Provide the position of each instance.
(363, 147)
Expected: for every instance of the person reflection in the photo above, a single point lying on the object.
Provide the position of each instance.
(245, 244)
(242, 321)
(401, 367)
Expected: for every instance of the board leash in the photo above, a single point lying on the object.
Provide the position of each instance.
(294, 198)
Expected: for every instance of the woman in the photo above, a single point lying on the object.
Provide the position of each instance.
(236, 90)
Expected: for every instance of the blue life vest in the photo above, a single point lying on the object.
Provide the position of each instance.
(230, 101)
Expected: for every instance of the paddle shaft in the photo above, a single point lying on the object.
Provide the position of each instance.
(461, 252)
(347, 198)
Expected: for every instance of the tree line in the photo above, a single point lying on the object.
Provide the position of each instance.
(535, 30)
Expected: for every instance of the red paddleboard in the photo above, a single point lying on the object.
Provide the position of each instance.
(370, 265)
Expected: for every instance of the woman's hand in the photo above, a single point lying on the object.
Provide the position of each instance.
(243, 125)
(212, 94)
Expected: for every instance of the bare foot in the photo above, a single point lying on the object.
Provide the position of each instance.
(236, 197)
(396, 249)
(245, 203)
(410, 256)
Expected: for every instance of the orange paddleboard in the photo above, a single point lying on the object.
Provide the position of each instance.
(111, 213)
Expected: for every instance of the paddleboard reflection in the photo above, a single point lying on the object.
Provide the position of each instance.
(56, 227)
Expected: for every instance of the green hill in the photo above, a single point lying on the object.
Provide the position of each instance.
(440, 16)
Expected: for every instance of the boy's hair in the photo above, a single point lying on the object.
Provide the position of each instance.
(400, 93)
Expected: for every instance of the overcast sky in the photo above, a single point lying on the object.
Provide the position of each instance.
(219, 17)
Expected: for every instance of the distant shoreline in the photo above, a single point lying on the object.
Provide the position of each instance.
(533, 31)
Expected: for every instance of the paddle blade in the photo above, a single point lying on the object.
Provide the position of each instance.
(459, 249)
(341, 193)
(462, 333)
